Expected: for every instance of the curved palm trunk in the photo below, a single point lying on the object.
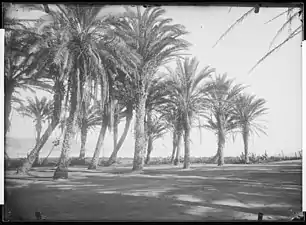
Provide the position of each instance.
(95, 159)
(140, 135)
(150, 148)
(187, 147)
(84, 132)
(61, 171)
(46, 159)
(245, 136)
(215, 158)
(112, 159)
(174, 140)
(178, 149)
(57, 98)
(27, 164)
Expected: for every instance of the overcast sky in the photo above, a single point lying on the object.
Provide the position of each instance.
(277, 79)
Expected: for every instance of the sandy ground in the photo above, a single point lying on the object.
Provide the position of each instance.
(160, 193)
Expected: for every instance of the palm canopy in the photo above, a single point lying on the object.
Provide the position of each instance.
(246, 111)
(186, 88)
(23, 48)
(157, 127)
(91, 118)
(37, 109)
(220, 98)
(155, 40)
(83, 42)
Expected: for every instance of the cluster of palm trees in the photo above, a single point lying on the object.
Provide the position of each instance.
(102, 69)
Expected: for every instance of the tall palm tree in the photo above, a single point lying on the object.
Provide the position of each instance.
(292, 13)
(55, 73)
(86, 45)
(220, 98)
(157, 42)
(246, 112)
(26, 54)
(188, 90)
(40, 111)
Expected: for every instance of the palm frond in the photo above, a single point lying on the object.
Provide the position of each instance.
(279, 15)
(286, 24)
(242, 18)
(291, 36)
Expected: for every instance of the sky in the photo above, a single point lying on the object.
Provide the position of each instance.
(277, 79)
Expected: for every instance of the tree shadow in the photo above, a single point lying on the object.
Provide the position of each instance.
(190, 195)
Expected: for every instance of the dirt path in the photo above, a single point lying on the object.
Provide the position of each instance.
(160, 193)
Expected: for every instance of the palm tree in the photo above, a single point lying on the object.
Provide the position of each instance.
(55, 73)
(156, 42)
(86, 45)
(187, 96)
(39, 111)
(109, 112)
(293, 13)
(246, 111)
(21, 61)
(220, 97)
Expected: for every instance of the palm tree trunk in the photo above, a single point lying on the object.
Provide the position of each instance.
(150, 148)
(84, 132)
(178, 149)
(215, 158)
(245, 136)
(45, 159)
(27, 164)
(149, 135)
(140, 135)
(115, 131)
(9, 89)
(95, 159)
(61, 171)
(38, 134)
(173, 146)
(221, 143)
(187, 147)
(113, 157)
